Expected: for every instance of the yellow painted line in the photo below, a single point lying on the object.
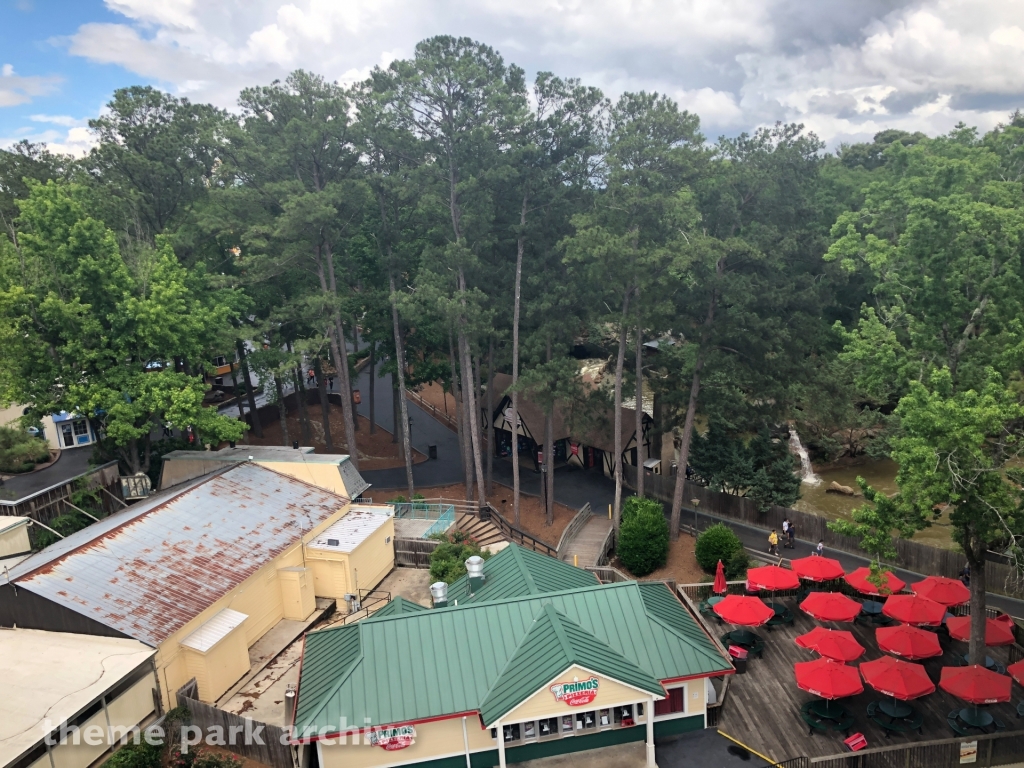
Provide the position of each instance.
(751, 751)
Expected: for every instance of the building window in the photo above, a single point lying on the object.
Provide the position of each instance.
(511, 732)
(530, 730)
(549, 727)
(605, 718)
(586, 720)
(81, 428)
(567, 724)
(673, 703)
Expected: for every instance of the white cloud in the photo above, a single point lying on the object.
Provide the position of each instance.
(76, 141)
(844, 69)
(66, 120)
(17, 89)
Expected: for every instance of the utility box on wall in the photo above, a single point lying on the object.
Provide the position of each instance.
(297, 592)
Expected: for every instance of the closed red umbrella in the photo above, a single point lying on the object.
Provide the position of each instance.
(858, 579)
(897, 678)
(772, 577)
(830, 606)
(828, 679)
(832, 644)
(1017, 670)
(914, 610)
(817, 568)
(975, 684)
(720, 586)
(942, 590)
(908, 642)
(996, 632)
(743, 610)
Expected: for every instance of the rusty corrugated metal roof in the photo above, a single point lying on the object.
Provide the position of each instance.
(150, 569)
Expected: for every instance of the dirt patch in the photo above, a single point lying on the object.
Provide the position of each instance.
(681, 566)
(376, 451)
(435, 395)
(531, 511)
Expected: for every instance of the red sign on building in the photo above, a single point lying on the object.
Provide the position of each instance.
(577, 693)
(391, 739)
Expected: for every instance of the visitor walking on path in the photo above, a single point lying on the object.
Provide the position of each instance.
(820, 550)
(791, 534)
(773, 543)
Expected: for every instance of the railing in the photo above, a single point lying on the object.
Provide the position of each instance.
(370, 600)
(444, 418)
(992, 749)
(516, 535)
(419, 510)
(608, 575)
(443, 523)
(607, 545)
(574, 527)
(794, 762)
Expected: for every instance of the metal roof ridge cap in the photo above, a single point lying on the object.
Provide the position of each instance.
(173, 497)
(524, 569)
(556, 624)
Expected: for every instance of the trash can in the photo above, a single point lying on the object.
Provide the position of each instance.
(739, 658)
(432, 451)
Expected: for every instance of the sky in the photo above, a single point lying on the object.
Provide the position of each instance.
(844, 68)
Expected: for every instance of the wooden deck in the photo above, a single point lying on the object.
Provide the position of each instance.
(586, 546)
(762, 708)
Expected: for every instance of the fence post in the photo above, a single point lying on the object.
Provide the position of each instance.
(988, 754)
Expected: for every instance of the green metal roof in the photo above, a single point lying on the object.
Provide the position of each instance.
(518, 572)
(446, 661)
(397, 605)
(552, 645)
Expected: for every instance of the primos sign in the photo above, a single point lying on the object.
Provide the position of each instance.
(577, 693)
(399, 737)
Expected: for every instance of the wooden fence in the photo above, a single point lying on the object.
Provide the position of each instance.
(912, 555)
(574, 527)
(268, 743)
(52, 502)
(414, 553)
(992, 749)
(441, 416)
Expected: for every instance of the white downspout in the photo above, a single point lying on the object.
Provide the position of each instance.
(650, 733)
(465, 741)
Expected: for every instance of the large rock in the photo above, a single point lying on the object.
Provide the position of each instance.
(845, 490)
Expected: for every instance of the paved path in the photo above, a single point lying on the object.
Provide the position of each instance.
(573, 487)
(586, 547)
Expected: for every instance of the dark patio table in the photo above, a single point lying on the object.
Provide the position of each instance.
(713, 601)
(989, 661)
(976, 718)
(828, 710)
(743, 637)
(872, 607)
(895, 709)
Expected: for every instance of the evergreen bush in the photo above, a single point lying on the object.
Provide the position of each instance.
(643, 536)
(736, 567)
(20, 451)
(716, 543)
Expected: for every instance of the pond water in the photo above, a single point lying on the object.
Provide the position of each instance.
(881, 475)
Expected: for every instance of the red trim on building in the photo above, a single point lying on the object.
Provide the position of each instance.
(356, 731)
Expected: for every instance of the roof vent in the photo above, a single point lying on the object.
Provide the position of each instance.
(475, 569)
(439, 593)
(333, 542)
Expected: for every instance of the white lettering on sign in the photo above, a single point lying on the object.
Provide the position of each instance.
(577, 693)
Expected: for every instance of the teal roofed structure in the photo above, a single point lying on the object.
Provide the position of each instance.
(488, 657)
(396, 606)
(520, 572)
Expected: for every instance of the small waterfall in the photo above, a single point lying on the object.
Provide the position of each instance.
(806, 471)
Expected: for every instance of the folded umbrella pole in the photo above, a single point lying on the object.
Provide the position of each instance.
(720, 587)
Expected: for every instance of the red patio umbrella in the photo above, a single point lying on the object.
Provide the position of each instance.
(897, 678)
(858, 579)
(914, 610)
(828, 679)
(743, 610)
(996, 632)
(720, 586)
(832, 644)
(975, 684)
(830, 606)
(1017, 670)
(942, 590)
(908, 642)
(817, 568)
(772, 577)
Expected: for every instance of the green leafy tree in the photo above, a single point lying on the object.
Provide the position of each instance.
(87, 331)
(643, 537)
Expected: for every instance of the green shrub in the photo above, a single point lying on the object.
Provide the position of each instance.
(20, 451)
(737, 566)
(65, 525)
(448, 561)
(132, 755)
(716, 543)
(643, 536)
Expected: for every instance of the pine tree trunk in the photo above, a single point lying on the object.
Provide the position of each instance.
(373, 386)
(300, 393)
(620, 362)
(976, 647)
(282, 411)
(474, 427)
(460, 420)
(490, 418)
(640, 453)
(325, 403)
(402, 401)
(684, 451)
(339, 347)
(396, 412)
(355, 349)
(257, 428)
(548, 477)
(520, 247)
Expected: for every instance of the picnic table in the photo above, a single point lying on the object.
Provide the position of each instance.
(754, 643)
(872, 607)
(782, 616)
(825, 716)
(895, 716)
(971, 720)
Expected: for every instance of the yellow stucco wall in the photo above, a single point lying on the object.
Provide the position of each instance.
(327, 476)
(258, 597)
(297, 592)
(543, 703)
(14, 540)
(222, 666)
(441, 738)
